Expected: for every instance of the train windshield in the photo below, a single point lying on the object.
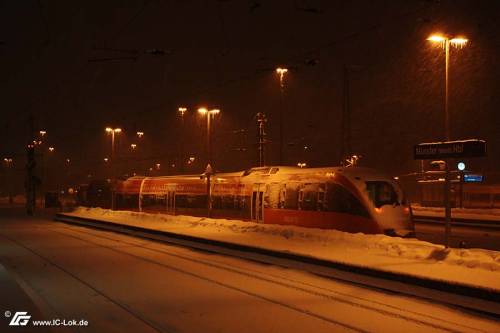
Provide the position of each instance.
(381, 193)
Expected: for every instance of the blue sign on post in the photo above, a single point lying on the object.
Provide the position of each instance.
(470, 178)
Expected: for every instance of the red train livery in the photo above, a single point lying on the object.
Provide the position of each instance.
(348, 199)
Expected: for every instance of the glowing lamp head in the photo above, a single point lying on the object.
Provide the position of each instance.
(182, 110)
(109, 129)
(202, 111)
(133, 146)
(214, 111)
(117, 130)
(51, 149)
(459, 42)
(461, 166)
(437, 38)
(281, 70)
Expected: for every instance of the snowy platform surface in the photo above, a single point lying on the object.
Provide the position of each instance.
(474, 267)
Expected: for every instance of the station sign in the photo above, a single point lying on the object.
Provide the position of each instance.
(450, 149)
(470, 178)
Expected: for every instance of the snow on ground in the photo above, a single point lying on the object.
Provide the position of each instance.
(410, 256)
(490, 214)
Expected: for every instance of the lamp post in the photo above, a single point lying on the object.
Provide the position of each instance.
(209, 114)
(113, 131)
(458, 42)
(281, 73)
(209, 170)
(182, 110)
(8, 162)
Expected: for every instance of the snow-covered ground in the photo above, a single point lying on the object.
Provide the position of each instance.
(489, 214)
(410, 256)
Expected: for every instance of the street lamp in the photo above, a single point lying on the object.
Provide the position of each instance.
(209, 114)
(182, 110)
(140, 134)
(281, 73)
(209, 170)
(133, 146)
(113, 131)
(457, 42)
(8, 161)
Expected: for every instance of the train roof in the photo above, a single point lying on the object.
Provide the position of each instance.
(277, 171)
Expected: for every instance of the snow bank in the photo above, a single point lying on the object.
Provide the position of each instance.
(411, 256)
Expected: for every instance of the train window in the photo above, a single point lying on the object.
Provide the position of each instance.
(126, 201)
(291, 196)
(340, 200)
(190, 201)
(225, 202)
(381, 193)
(321, 197)
(273, 197)
(308, 197)
(154, 201)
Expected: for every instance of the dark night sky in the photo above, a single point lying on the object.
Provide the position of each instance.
(222, 54)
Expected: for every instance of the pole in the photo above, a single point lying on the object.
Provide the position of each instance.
(345, 145)
(209, 196)
(261, 119)
(461, 198)
(446, 113)
(209, 147)
(8, 181)
(208, 174)
(183, 136)
(113, 169)
(447, 210)
(447, 205)
(282, 102)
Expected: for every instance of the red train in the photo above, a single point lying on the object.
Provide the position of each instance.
(348, 199)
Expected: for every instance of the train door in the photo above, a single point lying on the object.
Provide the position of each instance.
(257, 203)
(170, 202)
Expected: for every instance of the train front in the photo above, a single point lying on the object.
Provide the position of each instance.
(387, 203)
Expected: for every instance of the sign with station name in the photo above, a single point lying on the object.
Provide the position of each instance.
(450, 149)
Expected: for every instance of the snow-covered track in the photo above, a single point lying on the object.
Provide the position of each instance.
(466, 296)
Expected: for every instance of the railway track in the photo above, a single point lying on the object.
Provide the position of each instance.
(459, 222)
(467, 297)
(422, 319)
